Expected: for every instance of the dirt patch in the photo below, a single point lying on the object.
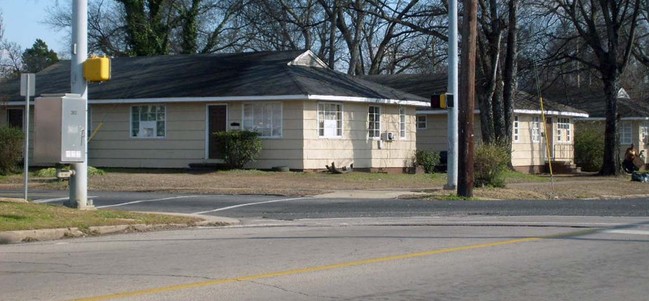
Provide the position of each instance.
(302, 184)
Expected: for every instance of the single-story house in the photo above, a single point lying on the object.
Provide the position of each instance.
(528, 145)
(633, 111)
(161, 111)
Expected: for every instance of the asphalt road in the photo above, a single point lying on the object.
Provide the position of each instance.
(283, 208)
(330, 260)
(345, 249)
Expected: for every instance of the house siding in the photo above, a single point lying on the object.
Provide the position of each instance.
(355, 147)
(527, 156)
(185, 140)
(299, 147)
(284, 151)
(113, 146)
(435, 136)
(525, 152)
(641, 143)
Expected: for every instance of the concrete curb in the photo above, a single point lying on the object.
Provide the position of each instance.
(12, 237)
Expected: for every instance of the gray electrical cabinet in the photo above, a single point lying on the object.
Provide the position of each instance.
(59, 133)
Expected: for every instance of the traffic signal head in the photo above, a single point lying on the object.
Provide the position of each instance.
(438, 101)
(96, 69)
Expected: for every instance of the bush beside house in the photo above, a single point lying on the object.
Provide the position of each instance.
(11, 149)
(589, 146)
(238, 147)
(491, 162)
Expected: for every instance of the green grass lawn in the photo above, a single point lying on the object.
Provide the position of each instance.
(29, 216)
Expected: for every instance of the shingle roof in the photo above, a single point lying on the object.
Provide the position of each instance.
(593, 101)
(215, 75)
(427, 85)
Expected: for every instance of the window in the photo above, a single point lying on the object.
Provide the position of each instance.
(402, 122)
(563, 129)
(263, 118)
(374, 118)
(626, 136)
(421, 122)
(644, 134)
(15, 118)
(516, 129)
(535, 129)
(148, 121)
(330, 120)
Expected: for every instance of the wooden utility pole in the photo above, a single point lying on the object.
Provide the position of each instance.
(467, 99)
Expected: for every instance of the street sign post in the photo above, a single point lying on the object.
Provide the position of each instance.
(27, 89)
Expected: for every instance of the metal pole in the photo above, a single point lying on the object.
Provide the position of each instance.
(26, 152)
(452, 88)
(79, 179)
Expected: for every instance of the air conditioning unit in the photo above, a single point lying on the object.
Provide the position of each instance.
(388, 137)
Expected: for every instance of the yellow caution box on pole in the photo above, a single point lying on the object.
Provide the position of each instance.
(96, 69)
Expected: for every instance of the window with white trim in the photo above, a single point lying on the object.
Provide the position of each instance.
(563, 130)
(264, 118)
(626, 133)
(535, 129)
(330, 120)
(374, 118)
(421, 122)
(402, 122)
(148, 121)
(516, 129)
(644, 133)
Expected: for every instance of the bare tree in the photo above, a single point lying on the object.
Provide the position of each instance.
(151, 27)
(497, 68)
(10, 55)
(608, 30)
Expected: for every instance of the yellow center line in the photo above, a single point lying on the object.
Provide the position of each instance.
(178, 287)
(199, 284)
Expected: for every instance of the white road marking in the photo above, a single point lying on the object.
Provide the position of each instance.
(56, 199)
(146, 201)
(249, 204)
(628, 231)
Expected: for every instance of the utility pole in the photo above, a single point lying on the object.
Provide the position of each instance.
(79, 178)
(452, 88)
(467, 99)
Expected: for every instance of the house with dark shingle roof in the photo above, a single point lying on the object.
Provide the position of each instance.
(529, 143)
(633, 113)
(160, 112)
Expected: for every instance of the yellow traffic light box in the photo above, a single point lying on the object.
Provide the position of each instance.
(97, 69)
(438, 101)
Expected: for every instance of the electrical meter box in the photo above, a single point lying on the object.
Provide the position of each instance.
(59, 128)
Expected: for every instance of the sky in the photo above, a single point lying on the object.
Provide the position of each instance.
(22, 21)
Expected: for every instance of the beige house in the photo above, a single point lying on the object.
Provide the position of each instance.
(159, 112)
(529, 132)
(633, 113)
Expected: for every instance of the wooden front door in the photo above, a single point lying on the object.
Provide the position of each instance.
(217, 122)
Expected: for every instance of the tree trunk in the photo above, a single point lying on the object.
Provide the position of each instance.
(611, 164)
(499, 109)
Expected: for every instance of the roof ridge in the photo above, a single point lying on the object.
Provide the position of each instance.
(293, 78)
